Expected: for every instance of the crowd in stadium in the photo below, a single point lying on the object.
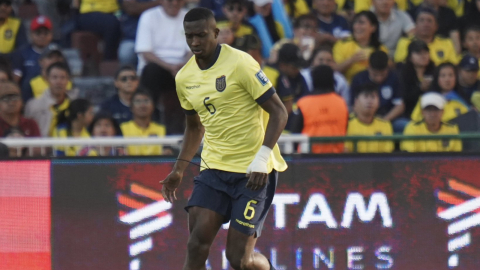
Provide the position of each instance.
(341, 67)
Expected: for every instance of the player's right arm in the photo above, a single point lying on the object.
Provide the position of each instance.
(191, 141)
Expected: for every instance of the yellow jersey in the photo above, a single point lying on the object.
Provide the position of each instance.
(104, 6)
(452, 109)
(131, 129)
(345, 49)
(56, 109)
(441, 50)
(8, 34)
(378, 127)
(69, 151)
(272, 74)
(300, 6)
(243, 30)
(225, 98)
(420, 128)
(361, 5)
(476, 99)
(39, 85)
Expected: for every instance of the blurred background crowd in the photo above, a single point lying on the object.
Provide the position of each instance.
(104, 68)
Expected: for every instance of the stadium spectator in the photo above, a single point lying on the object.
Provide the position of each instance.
(103, 125)
(39, 84)
(126, 82)
(445, 81)
(394, 23)
(416, 74)
(73, 122)
(235, 12)
(44, 109)
(468, 76)
(331, 26)
(5, 75)
(432, 105)
(389, 86)
(351, 55)
(11, 112)
(471, 15)
(142, 125)
(12, 31)
(25, 61)
(225, 36)
(15, 152)
(296, 8)
(131, 11)
(364, 122)
(323, 113)
(269, 30)
(448, 25)
(324, 56)
(98, 16)
(441, 49)
(471, 41)
(290, 85)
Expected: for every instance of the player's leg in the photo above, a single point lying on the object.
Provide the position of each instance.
(240, 252)
(203, 225)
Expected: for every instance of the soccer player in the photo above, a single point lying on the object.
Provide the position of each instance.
(224, 94)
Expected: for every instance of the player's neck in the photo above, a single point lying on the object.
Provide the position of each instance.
(207, 62)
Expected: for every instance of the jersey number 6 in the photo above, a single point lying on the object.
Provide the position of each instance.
(250, 209)
(210, 108)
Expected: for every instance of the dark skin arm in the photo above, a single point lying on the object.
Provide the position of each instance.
(276, 124)
(191, 141)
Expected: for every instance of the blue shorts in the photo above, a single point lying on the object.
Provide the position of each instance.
(225, 193)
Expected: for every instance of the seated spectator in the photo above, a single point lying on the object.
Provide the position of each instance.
(269, 30)
(126, 82)
(235, 12)
(445, 82)
(73, 122)
(15, 152)
(467, 76)
(363, 122)
(98, 16)
(290, 85)
(323, 113)
(39, 84)
(389, 86)
(394, 24)
(12, 31)
(432, 105)
(11, 112)
(351, 55)
(25, 61)
(331, 26)
(131, 11)
(416, 74)
(103, 125)
(441, 49)
(448, 26)
(142, 125)
(225, 35)
(471, 42)
(5, 75)
(44, 109)
(324, 56)
(361, 5)
(251, 45)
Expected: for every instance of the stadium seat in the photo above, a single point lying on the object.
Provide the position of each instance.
(108, 68)
(28, 11)
(87, 43)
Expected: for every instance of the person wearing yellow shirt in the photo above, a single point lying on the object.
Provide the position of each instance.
(98, 16)
(363, 122)
(471, 42)
(12, 31)
(142, 125)
(432, 109)
(73, 122)
(296, 8)
(103, 125)
(351, 55)
(361, 5)
(441, 49)
(446, 82)
(235, 12)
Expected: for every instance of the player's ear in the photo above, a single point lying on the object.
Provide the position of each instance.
(216, 31)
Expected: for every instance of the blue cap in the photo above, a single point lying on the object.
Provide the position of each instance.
(469, 63)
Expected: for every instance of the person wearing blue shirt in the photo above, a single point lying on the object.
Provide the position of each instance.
(331, 25)
(389, 86)
(131, 11)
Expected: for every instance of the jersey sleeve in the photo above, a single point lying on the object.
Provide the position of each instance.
(186, 105)
(251, 77)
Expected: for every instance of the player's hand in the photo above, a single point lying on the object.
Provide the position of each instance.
(257, 171)
(257, 181)
(170, 185)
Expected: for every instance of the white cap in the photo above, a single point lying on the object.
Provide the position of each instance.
(262, 3)
(432, 99)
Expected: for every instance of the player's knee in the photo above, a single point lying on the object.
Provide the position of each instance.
(239, 262)
(197, 246)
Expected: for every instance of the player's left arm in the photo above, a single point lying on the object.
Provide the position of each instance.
(257, 171)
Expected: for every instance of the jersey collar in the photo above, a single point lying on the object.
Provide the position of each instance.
(217, 54)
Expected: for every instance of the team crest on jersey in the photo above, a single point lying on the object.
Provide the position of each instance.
(440, 54)
(221, 83)
(445, 143)
(262, 77)
(8, 34)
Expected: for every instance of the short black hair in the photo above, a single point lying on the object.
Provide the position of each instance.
(52, 53)
(378, 60)
(124, 68)
(365, 88)
(144, 92)
(242, 3)
(323, 48)
(427, 10)
(305, 17)
(59, 65)
(198, 14)
(472, 28)
(105, 115)
(323, 79)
